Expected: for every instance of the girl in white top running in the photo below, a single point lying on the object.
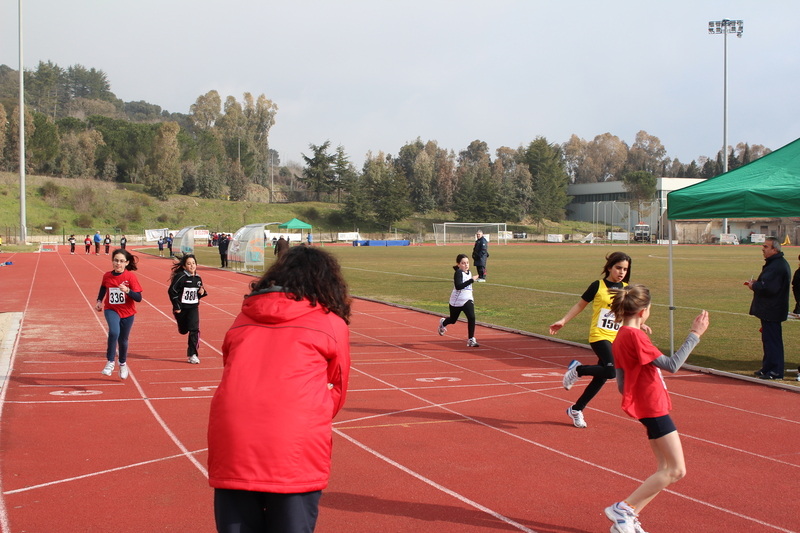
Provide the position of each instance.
(461, 299)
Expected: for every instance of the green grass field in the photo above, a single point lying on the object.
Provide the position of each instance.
(532, 286)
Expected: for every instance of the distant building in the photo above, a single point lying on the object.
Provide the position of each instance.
(607, 204)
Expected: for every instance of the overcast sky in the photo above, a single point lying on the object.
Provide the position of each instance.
(374, 74)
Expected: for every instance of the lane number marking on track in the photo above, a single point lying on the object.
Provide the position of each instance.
(431, 380)
(76, 392)
(543, 374)
(205, 388)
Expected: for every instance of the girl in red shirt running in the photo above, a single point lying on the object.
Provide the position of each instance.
(119, 291)
(645, 397)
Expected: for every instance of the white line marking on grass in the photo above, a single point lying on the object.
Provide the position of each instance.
(517, 288)
(435, 485)
(100, 473)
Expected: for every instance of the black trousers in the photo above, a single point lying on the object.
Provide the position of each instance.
(481, 271)
(469, 312)
(223, 259)
(189, 322)
(772, 338)
(244, 511)
(601, 372)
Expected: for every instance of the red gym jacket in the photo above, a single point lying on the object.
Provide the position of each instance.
(286, 365)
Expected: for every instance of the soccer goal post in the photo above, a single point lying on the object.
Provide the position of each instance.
(464, 232)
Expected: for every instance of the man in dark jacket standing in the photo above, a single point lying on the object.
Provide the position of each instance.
(480, 253)
(771, 305)
(281, 247)
(222, 246)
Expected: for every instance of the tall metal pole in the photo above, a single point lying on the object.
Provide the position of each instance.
(23, 233)
(725, 116)
(725, 26)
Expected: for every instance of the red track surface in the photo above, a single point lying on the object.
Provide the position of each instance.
(434, 436)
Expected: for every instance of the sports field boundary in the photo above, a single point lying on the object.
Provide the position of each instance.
(691, 368)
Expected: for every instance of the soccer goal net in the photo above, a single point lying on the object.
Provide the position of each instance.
(464, 232)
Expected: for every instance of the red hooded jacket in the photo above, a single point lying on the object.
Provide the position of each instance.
(286, 365)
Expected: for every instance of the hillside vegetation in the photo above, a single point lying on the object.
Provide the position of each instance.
(81, 206)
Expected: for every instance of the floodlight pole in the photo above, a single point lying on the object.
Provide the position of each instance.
(23, 231)
(715, 27)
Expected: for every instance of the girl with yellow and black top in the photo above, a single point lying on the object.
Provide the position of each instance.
(602, 332)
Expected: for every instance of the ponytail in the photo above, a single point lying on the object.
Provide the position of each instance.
(629, 301)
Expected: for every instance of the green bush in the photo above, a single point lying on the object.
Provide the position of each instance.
(84, 220)
(163, 217)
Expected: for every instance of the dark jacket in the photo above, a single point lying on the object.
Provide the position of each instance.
(281, 247)
(184, 291)
(771, 290)
(222, 245)
(480, 252)
(796, 289)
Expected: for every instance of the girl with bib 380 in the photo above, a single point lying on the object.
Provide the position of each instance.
(119, 292)
(185, 290)
(602, 332)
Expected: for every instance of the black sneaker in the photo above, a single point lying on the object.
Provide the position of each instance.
(759, 374)
(770, 375)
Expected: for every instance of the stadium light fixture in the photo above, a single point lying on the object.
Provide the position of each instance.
(724, 27)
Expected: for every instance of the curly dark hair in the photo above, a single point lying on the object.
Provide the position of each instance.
(129, 257)
(310, 273)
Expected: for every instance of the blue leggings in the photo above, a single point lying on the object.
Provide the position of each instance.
(118, 331)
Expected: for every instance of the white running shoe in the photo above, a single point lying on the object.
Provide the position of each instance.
(123, 371)
(194, 360)
(624, 518)
(472, 343)
(108, 369)
(577, 418)
(571, 375)
(442, 330)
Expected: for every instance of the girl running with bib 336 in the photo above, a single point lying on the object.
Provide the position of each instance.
(119, 292)
(602, 331)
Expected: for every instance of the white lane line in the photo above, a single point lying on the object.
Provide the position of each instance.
(99, 473)
(435, 485)
(578, 459)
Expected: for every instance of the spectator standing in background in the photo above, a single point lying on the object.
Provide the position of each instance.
(222, 246)
(480, 254)
(771, 305)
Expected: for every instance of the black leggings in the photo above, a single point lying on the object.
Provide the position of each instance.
(601, 372)
(189, 322)
(469, 312)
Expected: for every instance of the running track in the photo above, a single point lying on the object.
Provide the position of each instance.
(434, 437)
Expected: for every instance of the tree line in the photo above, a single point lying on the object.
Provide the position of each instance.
(77, 127)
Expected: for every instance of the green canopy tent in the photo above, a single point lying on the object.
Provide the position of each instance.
(767, 187)
(296, 224)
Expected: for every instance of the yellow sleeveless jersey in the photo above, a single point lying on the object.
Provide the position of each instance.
(603, 327)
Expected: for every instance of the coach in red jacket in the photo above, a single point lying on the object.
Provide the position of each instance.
(286, 363)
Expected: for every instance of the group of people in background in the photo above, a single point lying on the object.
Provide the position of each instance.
(97, 240)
